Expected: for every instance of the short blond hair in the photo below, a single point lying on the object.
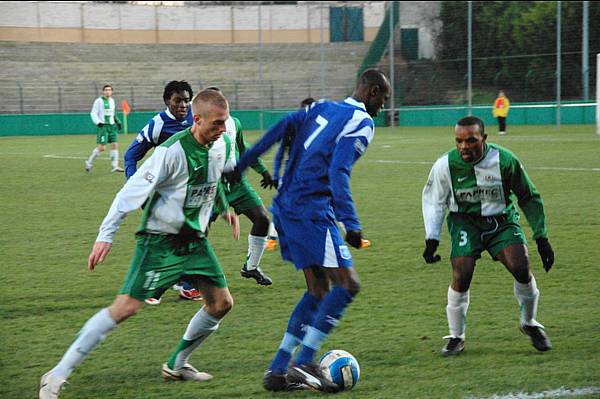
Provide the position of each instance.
(203, 100)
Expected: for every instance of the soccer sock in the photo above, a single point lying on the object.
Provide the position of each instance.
(458, 303)
(300, 317)
(114, 158)
(91, 335)
(328, 316)
(528, 296)
(256, 247)
(272, 232)
(95, 153)
(200, 328)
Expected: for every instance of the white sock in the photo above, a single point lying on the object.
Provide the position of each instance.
(201, 327)
(95, 153)
(91, 335)
(114, 158)
(456, 311)
(528, 296)
(272, 232)
(256, 247)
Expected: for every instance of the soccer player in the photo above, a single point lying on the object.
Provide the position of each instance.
(182, 180)
(476, 182)
(244, 200)
(177, 117)
(104, 116)
(313, 196)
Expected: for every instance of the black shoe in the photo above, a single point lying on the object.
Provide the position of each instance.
(256, 274)
(311, 375)
(279, 382)
(539, 339)
(454, 346)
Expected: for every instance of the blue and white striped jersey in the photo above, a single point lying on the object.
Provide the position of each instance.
(157, 131)
(330, 137)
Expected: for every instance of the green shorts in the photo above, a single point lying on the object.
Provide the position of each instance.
(242, 197)
(471, 235)
(160, 260)
(107, 134)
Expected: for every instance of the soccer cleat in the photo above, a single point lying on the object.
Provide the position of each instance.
(279, 382)
(152, 301)
(117, 169)
(310, 374)
(365, 243)
(271, 245)
(501, 133)
(192, 295)
(454, 346)
(50, 386)
(538, 337)
(256, 274)
(88, 166)
(186, 373)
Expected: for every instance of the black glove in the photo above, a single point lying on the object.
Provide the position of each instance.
(233, 176)
(267, 180)
(354, 238)
(429, 253)
(119, 125)
(100, 124)
(546, 253)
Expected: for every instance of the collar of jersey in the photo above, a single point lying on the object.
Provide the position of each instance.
(169, 114)
(358, 104)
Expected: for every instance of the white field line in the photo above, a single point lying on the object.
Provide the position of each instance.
(554, 393)
(393, 161)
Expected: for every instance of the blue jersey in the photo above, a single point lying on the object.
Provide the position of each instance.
(159, 129)
(330, 137)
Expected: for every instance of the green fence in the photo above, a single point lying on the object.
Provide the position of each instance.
(520, 114)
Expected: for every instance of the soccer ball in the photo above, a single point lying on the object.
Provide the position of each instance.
(341, 368)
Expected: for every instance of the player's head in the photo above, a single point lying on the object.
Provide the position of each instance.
(373, 89)
(501, 93)
(210, 110)
(177, 96)
(469, 136)
(306, 102)
(107, 90)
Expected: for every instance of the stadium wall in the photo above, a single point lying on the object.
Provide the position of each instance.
(520, 114)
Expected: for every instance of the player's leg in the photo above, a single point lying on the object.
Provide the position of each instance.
(516, 260)
(114, 148)
(458, 303)
(271, 238)
(93, 332)
(203, 270)
(101, 140)
(257, 242)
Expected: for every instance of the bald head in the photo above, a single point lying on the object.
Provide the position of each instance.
(372, 89)
(206, 99)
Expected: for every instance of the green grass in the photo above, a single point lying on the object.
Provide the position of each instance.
(51, 210)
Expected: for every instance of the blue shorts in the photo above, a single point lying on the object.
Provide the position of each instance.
(308, 243)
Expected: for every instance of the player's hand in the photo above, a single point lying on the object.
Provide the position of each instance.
(232, 177)
(429, 253)
(100, 124)
(267, 181)
(233, 220)
(354, 238)
(98, 254)
(119, 126)
(546, 253)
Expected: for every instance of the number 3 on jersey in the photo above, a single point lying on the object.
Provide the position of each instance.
(463, 239)
(322, 122)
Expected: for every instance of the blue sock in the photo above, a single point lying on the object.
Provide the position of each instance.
(328, 316)
(301, 316)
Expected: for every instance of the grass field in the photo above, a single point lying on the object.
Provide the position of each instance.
(51, 210)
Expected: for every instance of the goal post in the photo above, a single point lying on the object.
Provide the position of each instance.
(598, 93)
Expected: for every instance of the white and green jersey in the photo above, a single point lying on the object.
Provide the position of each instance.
(182, 179)
(234, 130)
(484, 188)
(103, 111)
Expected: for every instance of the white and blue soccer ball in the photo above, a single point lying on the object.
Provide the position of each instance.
(341, 368)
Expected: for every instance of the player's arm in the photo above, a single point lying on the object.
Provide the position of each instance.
(347, 151)
(272, 136)
(434, 203)
(131, 197)
(95, 112)
(137, 150)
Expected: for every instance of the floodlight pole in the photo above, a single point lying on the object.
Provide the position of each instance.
(598, 93)
(392, 77)
(260, 71)
(470, 60)
(585, 66)
(322, 51)
(558, 77)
